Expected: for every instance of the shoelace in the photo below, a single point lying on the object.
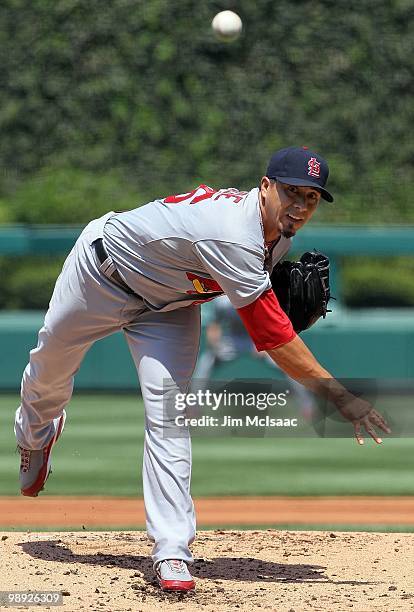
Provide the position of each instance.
(24, 459)
(177, 565)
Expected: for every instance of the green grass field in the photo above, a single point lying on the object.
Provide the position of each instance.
(100, 453)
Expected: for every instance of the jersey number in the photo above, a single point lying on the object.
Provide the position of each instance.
(204, 192)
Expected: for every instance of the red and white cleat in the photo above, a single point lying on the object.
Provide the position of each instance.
(173, 575)
(35, 465)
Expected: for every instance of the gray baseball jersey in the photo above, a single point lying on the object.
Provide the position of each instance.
(190, 248)
(173, 252)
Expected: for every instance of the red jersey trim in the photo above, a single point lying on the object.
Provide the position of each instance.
(268, 325)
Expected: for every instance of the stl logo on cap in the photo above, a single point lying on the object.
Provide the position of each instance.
(314, 167)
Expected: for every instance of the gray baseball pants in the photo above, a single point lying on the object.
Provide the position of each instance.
(87, 306)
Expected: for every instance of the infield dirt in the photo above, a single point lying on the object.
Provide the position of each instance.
(284, 571)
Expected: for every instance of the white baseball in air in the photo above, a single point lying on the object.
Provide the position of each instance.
(227, 26)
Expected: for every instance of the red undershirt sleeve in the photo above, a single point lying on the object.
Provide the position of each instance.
(268, 325)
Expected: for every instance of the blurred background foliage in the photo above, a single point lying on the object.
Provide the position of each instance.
(378, 283)
(69, 195)
(108, 105)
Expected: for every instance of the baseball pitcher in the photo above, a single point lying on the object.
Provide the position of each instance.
(145, 272)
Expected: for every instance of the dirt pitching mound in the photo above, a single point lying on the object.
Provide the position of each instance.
(234, 570)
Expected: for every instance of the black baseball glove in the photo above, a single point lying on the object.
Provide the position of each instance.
(302, 288)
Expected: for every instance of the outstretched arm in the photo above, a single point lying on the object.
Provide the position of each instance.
(298, 362)
(272, 331)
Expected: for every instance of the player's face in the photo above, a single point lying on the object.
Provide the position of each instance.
(297, 205)
(286, 208)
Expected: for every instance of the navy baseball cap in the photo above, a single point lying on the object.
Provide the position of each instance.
(299, 166)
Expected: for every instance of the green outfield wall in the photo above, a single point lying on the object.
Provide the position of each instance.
(350, 343)
(358, 345)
